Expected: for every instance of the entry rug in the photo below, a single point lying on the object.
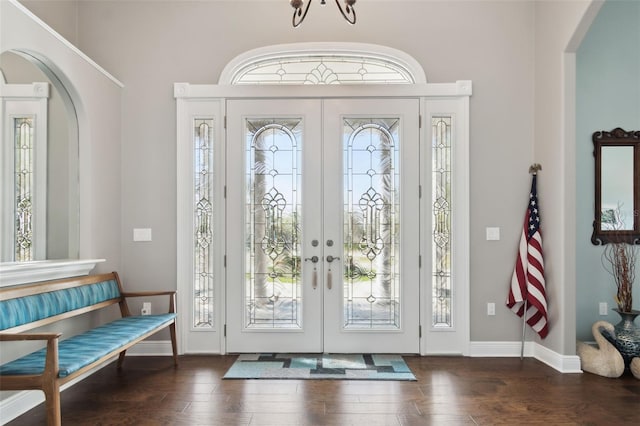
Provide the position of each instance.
(320, 366)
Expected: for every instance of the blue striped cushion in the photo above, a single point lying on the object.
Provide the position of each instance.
(83, 349)
(23, 310)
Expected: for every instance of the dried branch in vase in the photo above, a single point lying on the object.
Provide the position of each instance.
(619, 259)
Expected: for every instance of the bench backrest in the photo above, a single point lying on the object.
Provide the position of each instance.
(27, 307)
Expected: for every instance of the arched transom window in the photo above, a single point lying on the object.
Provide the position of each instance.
(324, 70)
(315, 63)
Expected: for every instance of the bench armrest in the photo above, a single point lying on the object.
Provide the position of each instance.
(8, 337)
(50, 373)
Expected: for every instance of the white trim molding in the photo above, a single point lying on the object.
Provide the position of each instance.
(16, 4)
(559, 362)
(14, 273)
(23, 401)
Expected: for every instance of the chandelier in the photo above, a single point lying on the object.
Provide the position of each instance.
(348, 13)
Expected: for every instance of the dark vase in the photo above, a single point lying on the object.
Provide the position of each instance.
(627, 336)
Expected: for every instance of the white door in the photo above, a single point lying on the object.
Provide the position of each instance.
(323, 219)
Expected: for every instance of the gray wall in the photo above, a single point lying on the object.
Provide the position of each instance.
(608, 96)
(151, 45)
(510, 50)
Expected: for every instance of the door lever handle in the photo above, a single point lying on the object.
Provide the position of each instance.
(314, 277)
(329, 275)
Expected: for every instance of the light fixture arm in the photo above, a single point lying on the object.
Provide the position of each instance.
(298, 15)
(348, 13)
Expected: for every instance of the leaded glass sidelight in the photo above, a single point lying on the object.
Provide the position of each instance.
(273, 288)
(371, 223)
(24, 188)
(441, 230)
(203, 276)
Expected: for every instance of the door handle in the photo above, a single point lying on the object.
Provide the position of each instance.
(314, 276)
(329, 275)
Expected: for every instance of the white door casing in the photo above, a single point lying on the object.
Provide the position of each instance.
(443, 99)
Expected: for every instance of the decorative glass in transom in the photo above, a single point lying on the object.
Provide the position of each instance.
(323, 69)
(371, 223)
(203, 273)
(273, 287)
(441, 207)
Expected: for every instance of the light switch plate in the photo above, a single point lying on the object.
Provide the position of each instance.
(142, 234)
(493, 234)
(491, 308)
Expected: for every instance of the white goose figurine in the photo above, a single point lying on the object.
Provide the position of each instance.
(635, 367)
(605, 360)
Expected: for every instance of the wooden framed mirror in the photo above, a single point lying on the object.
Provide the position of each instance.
(617, 187)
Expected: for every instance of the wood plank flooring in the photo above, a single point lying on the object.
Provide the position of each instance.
(449, 391)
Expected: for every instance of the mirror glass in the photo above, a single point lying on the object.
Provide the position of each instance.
(617, 188)
(62, 204)
(617, 155)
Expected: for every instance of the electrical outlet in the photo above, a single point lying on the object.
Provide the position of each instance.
(491, 308)
(146, 308)
(604, 309)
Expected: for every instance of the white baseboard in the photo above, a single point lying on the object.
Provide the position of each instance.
(23, 401)
(500, 349)
(17, 404)
(561, 363)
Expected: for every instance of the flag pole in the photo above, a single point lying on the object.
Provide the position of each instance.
(524, 329)
(533, 169)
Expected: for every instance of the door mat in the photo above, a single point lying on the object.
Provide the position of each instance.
(320, 366)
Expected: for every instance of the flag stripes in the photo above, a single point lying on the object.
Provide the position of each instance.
(527, 290)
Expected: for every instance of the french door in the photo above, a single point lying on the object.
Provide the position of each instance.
(323, 225)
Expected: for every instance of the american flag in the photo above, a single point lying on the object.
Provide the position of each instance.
(527, 282)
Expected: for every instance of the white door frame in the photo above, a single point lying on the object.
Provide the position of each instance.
(21, 101)
(458, 93)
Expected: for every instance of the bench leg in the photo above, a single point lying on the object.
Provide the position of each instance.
(121, 359)
(174, 345)
(52, 403)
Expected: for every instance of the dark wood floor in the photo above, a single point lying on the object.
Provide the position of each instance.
(451, 391)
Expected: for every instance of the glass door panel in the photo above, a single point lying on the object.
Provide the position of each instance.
(273, 286)
(371, 215)
(371, 223)
(273, 201)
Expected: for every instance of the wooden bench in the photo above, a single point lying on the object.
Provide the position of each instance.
(24, 308)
